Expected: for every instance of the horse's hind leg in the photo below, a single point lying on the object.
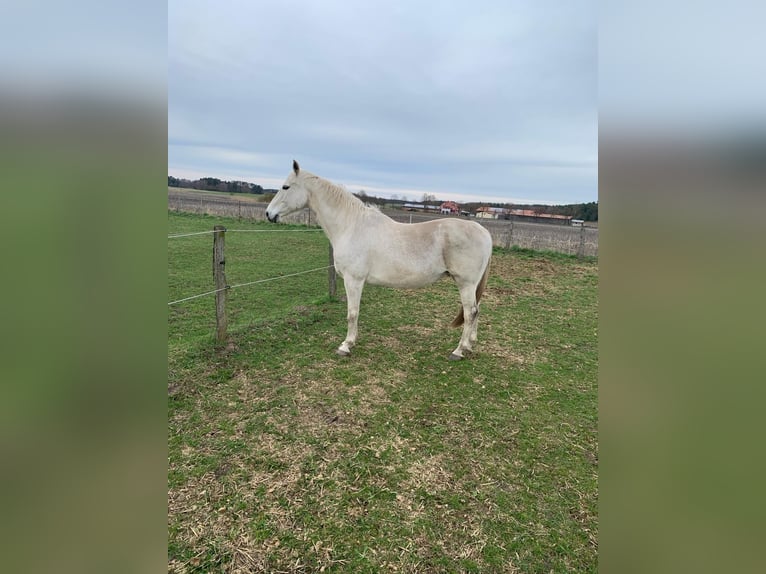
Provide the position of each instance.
(470, 322)
(353, 297)
(475, 326)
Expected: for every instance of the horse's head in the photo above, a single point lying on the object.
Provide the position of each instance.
(292, 197)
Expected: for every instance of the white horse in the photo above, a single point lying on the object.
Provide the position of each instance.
(371, 247)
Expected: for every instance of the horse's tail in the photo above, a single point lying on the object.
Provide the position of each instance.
(460, 319)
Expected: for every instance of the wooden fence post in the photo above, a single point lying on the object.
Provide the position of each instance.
(581, 248)
(509, 236)
(331, 275)
(219, 275)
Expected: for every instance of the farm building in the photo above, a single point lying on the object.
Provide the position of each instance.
(449, 208)
(532, 216)
(421, 207)
(414, 206)
(491, 212)
(527, 215)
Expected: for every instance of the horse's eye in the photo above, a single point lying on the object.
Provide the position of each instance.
(285, 187)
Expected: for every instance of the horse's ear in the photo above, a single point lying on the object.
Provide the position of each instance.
(296, 167)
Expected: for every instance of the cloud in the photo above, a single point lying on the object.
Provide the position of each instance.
(495, 98)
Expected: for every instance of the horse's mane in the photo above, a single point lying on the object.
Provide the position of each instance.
(341, 197)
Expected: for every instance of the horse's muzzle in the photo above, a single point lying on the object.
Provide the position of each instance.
(272, 219)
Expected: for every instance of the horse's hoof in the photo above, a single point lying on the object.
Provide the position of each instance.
(342, 353)
(454, 357)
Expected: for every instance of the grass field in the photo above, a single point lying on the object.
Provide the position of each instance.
(192, 193)
(286, 458)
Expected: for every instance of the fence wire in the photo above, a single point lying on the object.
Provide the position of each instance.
(190, 234)
(246, 231)
(251, 283)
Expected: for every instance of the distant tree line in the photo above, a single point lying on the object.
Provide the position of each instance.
(584, 211)
(215, 184)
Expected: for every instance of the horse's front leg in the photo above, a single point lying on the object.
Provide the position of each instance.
(353, 296)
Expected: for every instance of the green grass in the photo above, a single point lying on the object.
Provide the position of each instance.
(284, 457)
(254, 197)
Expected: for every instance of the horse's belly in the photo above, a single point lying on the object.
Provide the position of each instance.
(404, 278)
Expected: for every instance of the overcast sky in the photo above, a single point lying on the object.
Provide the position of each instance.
(473, 101)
